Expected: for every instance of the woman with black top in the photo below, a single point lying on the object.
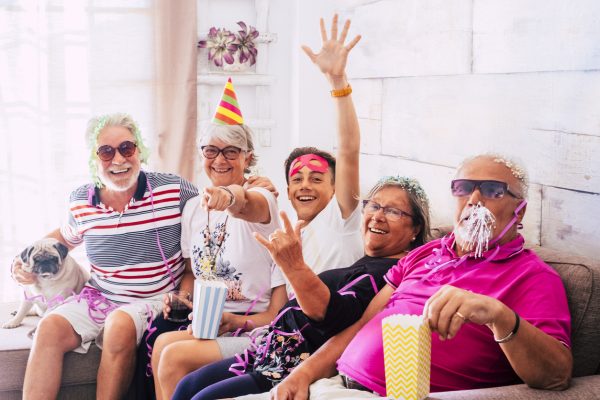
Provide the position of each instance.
(395, 220)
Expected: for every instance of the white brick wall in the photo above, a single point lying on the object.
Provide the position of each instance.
(436, 81)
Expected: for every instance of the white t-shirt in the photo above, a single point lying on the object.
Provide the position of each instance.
(331, 242)
(243, 263)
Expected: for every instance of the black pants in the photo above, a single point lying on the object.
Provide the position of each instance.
(143, 379)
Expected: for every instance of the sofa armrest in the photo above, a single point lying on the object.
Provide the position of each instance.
(586, 387)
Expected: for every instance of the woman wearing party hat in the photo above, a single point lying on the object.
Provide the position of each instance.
(217, 243)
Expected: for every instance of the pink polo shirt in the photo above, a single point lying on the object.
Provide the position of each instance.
(517, 277)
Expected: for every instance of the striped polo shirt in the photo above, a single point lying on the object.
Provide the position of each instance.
(123, 250)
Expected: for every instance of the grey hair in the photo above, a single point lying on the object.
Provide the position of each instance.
(95, 126)
(234, 135)
(517, 169)
(419, 203)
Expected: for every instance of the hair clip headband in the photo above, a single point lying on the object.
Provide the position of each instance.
(311, 161)
(409, 184)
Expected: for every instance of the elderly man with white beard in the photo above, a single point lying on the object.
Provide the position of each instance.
(130, 223)
(499, 314)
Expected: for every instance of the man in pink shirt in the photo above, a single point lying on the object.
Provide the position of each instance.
(499, 314)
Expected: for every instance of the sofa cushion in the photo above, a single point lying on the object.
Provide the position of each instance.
(581, 277)
(14, 351)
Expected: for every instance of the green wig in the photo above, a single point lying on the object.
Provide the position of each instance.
(95, 126)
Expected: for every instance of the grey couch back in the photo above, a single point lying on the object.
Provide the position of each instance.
(581, 277)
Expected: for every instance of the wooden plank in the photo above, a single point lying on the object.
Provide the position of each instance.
(549, 121)
(539, 35)
(571, 221)
(366, 94)
(533, 216)
(411, 38)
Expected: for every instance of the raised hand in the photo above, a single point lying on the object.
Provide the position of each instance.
(285, 246)
(332, 57)
(216, 198)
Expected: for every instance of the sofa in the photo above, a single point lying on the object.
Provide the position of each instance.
(79, 370)
(581, 277)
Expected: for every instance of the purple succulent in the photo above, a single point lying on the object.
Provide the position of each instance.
(245, 43)
(221, 46)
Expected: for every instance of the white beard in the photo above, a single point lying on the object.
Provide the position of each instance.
(474, 234)
(106, 180)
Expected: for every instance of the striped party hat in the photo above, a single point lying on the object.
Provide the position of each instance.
(228, 111)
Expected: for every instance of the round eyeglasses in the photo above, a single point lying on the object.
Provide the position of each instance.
(229, 152)
(391, 213)
(107, 153)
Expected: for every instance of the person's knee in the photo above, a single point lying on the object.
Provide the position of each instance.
(159, 345)
(54, 331)
(169, 361)
(119, 334)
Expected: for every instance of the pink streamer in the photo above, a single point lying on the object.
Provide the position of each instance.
(53, 302)
(97, 303)
(344, 291)
(160, 249)
(95, 300)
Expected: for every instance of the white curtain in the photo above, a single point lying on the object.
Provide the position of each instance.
(62, 61)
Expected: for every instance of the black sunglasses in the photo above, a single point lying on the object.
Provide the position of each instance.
(488, 188)
(107, 153)
(229, 152)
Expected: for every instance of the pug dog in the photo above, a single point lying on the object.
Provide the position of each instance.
(58, 276)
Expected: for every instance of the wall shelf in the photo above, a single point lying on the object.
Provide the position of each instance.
(240, 79)
(266, 38)
(256, 124)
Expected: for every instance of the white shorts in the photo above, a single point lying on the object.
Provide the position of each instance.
(324, 389)
(78, 315)
(232, 345)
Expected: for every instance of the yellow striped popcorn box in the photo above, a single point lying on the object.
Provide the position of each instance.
(407, 356)
(209, 300)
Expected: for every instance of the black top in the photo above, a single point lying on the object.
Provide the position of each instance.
(285, 352)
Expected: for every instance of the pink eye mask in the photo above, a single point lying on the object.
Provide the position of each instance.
(311, 161)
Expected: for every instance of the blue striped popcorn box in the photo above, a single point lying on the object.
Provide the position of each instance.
(209, 300)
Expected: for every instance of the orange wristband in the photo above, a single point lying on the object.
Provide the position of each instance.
(341, 92)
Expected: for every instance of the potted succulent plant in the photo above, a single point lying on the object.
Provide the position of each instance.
(231, 51)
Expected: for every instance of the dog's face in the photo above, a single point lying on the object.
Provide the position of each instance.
(44, 258)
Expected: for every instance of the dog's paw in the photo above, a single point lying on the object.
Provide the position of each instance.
(10, 324)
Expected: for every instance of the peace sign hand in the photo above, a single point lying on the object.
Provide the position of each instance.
(333, 56)
(285, 246)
